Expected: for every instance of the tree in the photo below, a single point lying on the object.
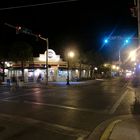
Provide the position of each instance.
(82, 59)
(3, 57)
(94, 59)
(21, 51)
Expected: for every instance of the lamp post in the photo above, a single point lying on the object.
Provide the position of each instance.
(47, 47)
(119, 57)
(70, 55)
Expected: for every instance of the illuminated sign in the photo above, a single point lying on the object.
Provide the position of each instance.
(51, 53)
(52, 57)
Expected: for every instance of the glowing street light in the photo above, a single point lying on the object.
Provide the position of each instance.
(69, 56)
(113, 67)
(117, 68)
(105, 65)
(95, 68)
(132, 55)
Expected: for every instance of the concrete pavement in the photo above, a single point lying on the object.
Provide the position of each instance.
(121, 127)
(128, 129)
(114, 129)
(118, 128)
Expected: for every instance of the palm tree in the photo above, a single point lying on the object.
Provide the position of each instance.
(21, 51)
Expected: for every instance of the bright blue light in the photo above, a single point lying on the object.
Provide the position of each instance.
(106, 40)
(126, 41)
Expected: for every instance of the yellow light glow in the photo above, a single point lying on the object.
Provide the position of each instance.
(76, 71)
(113, 67)
(105, 65)
(117, 68)
(71, 54)
(132, 55)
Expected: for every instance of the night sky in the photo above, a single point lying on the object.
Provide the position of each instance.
(83, 23)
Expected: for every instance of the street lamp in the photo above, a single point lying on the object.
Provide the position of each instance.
(70, 55)
(132, 55)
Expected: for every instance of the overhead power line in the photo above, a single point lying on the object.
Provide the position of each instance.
(35, 5)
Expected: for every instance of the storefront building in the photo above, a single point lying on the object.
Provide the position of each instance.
(36, 70)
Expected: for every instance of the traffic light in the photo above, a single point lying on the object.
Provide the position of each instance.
(126, 41)
(106, 41)
(18, 29)
(24, 30)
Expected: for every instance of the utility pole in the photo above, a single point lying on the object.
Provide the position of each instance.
(138, 18)
(137, 4)
(29, 32)
(47, 46)
(136, 13)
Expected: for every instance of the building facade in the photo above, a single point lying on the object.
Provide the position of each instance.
(35, 70)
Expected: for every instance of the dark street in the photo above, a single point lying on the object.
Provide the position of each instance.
(62, 112)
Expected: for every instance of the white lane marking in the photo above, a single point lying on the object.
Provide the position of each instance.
(56, 106)
(100, 79)
(16, 96)
(115, 106)
(4, 92)
(61, 129)
(64, 107)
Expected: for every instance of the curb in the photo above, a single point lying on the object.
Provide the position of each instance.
(105, 128)
(109, 129)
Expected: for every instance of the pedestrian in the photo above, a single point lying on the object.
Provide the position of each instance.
(14, 83)
(8, 82)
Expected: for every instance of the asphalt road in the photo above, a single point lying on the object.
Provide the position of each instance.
(61, 112)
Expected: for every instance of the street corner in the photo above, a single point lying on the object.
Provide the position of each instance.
(104, 130)
(124, 127)
(109, 129)
(126, 130)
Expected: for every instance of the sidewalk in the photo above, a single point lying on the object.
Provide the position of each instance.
(119, 128)
(128, 129)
